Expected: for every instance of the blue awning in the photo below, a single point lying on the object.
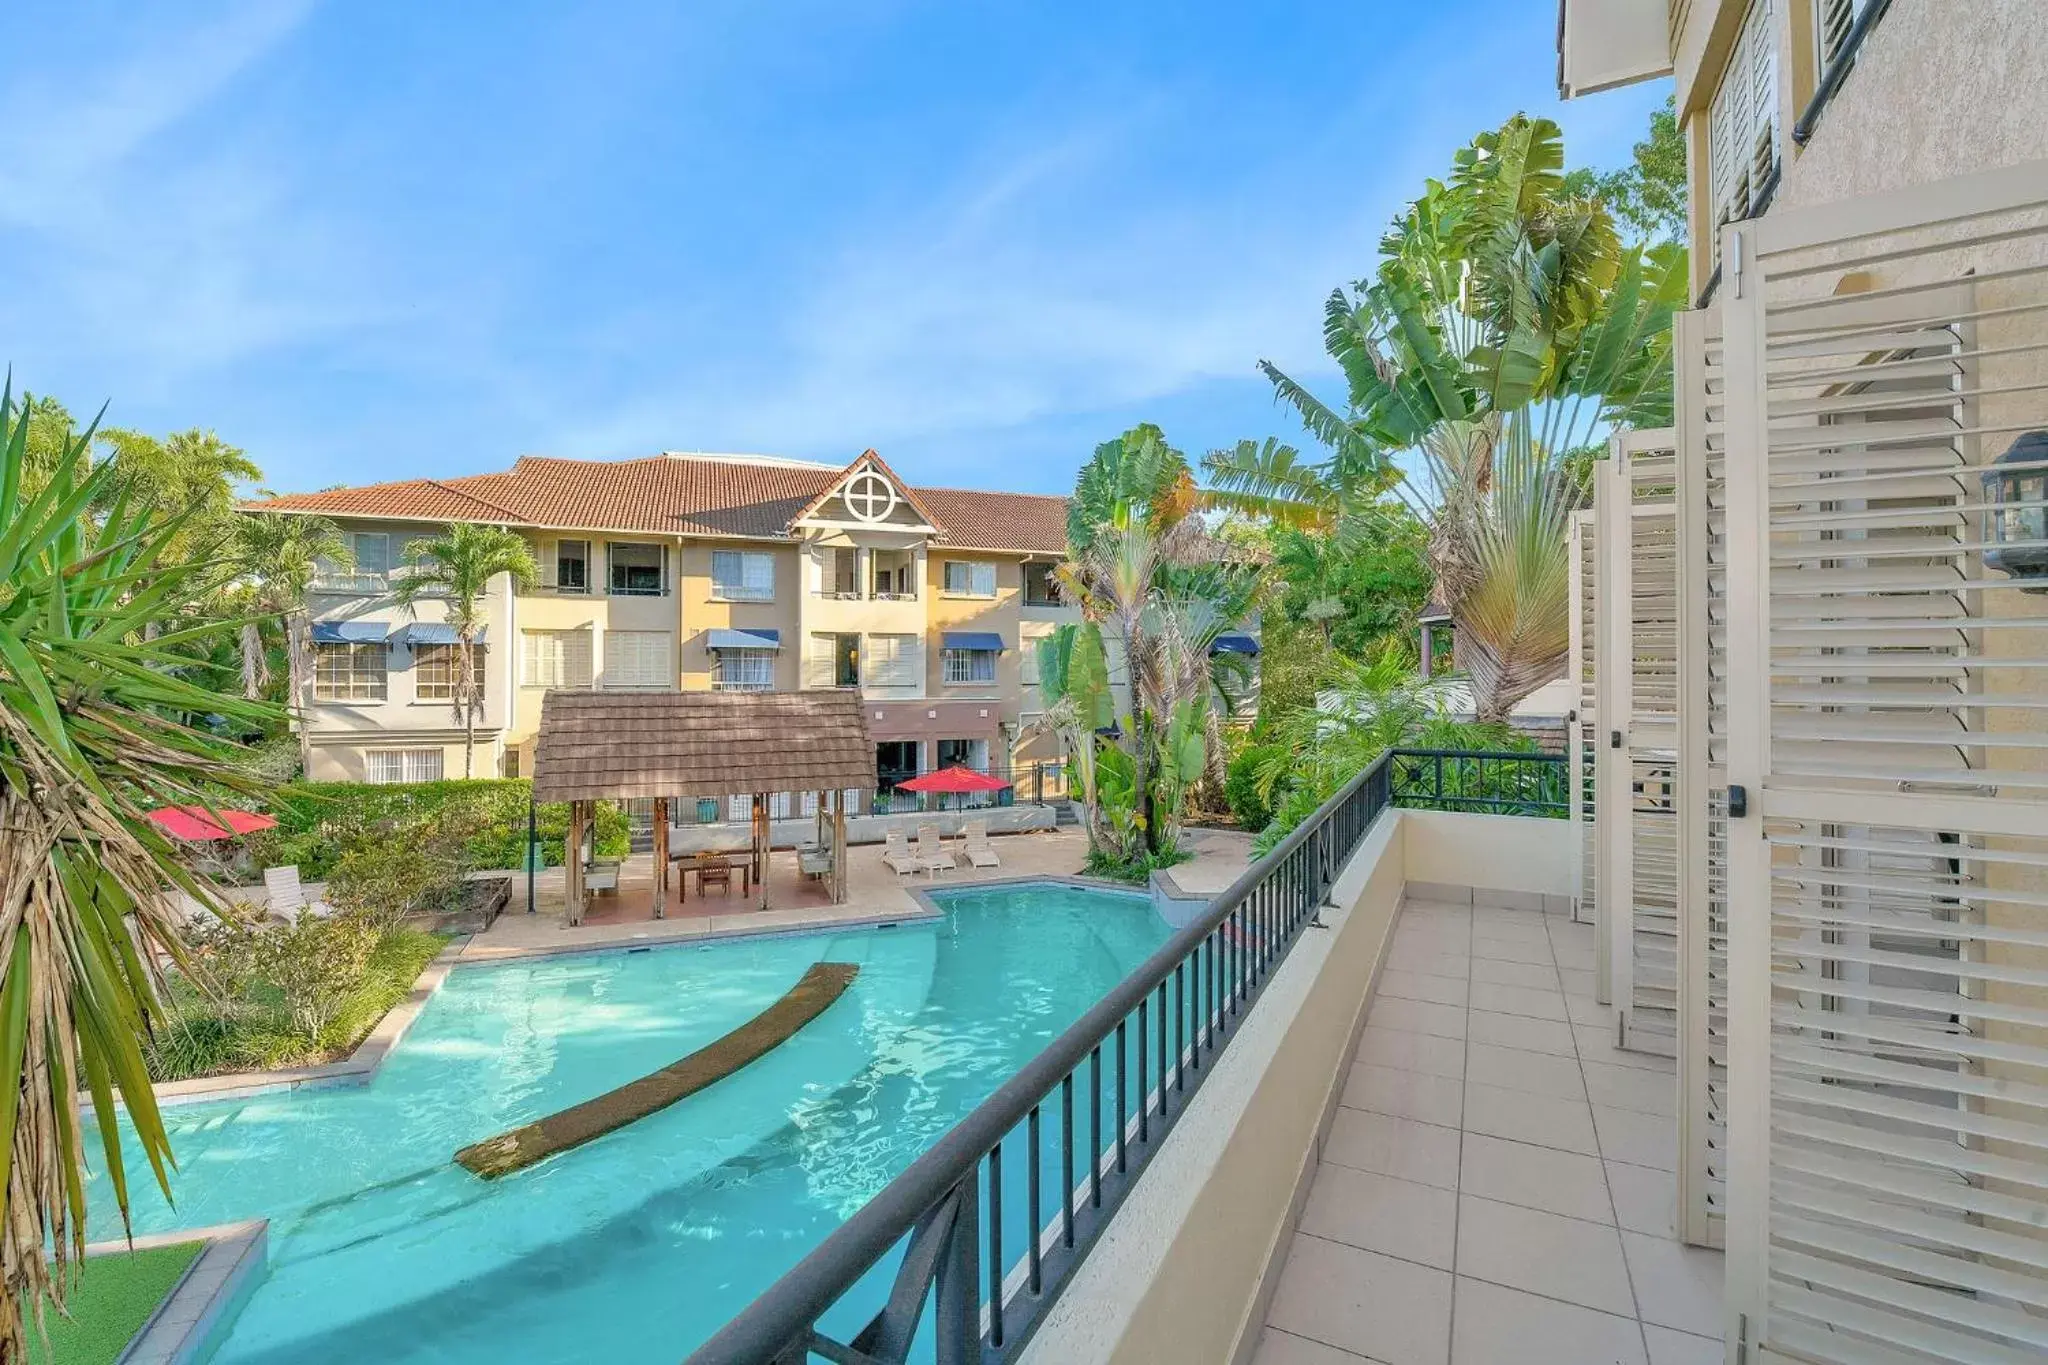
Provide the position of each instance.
(1234, 644)
(349, 632)
(433, 633)
(743, 639)
(972, 639)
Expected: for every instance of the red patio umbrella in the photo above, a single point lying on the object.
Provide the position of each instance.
(954, 779)
(197, 824)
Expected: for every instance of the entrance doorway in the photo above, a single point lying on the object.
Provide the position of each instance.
(895, 761)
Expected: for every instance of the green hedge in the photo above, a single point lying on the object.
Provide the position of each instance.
(317, 820)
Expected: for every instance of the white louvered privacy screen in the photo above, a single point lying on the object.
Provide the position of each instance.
(1887, 729)
(1584, 737)
(1636, 758)
(1702, 779)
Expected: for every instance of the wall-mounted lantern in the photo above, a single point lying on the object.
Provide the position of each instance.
(2016, 510)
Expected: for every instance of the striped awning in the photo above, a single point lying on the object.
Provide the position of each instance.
(433, 633)
(743, 639)
(350, 632)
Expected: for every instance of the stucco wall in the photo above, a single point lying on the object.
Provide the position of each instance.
(1518, 855)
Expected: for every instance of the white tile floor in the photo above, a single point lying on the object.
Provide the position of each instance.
(1497, 1186)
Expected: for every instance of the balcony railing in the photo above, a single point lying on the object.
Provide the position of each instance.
(1487, 783)
(1087, 1114)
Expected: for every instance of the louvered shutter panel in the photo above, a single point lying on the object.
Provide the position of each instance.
(1888, 888)
(1636, 767)
(1701, 447)
(1584, 738)
(636, 660)
(546, 561)
(1742, 121)
(1833, 20)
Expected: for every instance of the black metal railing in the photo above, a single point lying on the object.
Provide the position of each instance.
(1488, 783)
(983, 1253)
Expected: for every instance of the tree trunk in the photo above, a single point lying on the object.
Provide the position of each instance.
(255, 661)
(466, 689)
(295, 674)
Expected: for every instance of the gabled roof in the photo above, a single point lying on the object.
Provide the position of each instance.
(867, 459)
(679, 495)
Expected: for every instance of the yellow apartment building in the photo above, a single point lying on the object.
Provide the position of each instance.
(697, 572)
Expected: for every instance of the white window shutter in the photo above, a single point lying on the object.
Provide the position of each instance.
(1887, 1006)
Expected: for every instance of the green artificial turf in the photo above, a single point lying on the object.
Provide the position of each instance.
(110, 1300)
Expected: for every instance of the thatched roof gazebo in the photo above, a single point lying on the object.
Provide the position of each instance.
(596, 746)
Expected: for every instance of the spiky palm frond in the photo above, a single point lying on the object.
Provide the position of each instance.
(459, 567)
(88, 743)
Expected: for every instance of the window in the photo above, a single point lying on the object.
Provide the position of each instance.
(895, 575)
(508, 766)
(1742, 125)
(743, 670)
(869, 497)
(832, 661)
(840, 573)
(371, 571)
(1040, 587)
(967, 665)
(349, 672)
(1833, 22)
(637, 660)
(636, 570)
(402, 765)
(964, 578)
(892, 661)
(572, 566)
(742, 576)
(556, 658)
(435, 669)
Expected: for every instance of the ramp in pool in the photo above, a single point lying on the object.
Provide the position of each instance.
(520, 1147)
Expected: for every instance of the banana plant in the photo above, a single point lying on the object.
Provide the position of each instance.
(90, 739)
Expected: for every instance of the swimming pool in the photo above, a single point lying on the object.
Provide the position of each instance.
(639, 1245)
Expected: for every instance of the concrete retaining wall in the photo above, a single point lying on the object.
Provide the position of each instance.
(864, 829)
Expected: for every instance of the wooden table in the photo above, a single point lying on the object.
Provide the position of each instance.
(686, 863)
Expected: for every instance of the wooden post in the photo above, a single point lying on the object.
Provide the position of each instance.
(572, 867)
(760, 832)
(660, 857)
(838, 848)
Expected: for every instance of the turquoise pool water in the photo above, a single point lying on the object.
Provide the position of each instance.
(637, 1246)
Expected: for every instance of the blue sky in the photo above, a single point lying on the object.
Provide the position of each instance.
(370, 240)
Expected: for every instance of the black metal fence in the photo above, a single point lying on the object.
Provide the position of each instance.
(988, 1225)
(1490, 783)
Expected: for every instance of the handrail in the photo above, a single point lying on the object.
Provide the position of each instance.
(949, 1200)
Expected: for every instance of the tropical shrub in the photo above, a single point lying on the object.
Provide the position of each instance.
(1241, 789)
(281, 998)
(319, 822)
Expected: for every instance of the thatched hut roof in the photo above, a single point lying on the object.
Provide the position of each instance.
(614, 745)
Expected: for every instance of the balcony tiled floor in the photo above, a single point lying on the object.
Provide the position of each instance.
(1497, 1185)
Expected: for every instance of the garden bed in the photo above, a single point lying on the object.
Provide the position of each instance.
(252, 1028)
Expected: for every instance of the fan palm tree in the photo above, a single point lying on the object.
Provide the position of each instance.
(89, 741)
(460, 566)
(281, 555)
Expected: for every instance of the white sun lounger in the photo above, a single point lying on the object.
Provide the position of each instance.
(933, 853)
(897, 854)
(975, 844)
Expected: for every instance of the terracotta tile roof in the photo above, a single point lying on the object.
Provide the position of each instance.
(1031, 522)
(614, 745)
(677, 495)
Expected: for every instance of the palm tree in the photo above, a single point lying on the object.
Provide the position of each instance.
(1503, 314)
(88, 743)
(460, 566)
(281, 555)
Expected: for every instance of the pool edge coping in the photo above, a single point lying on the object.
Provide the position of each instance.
(361, 1065)
(206, 1297)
